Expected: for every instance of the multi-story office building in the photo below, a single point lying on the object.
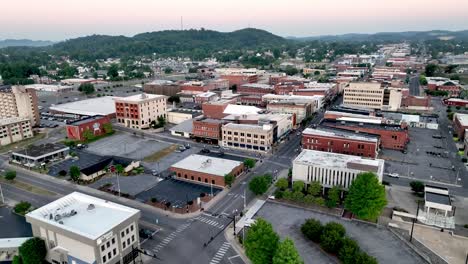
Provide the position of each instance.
(138, 111)
(373, 96)
(14, 129)
(341, 141)
(19, 101)
(332, 169)
(79, 229)
(207, 130)
(253, 137)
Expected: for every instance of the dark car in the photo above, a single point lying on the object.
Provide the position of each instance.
(145, 233)
(205, 150)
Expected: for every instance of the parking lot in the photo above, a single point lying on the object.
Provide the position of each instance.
(13, 225)
(378, 242)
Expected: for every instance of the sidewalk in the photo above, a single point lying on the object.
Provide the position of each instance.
(229, 235)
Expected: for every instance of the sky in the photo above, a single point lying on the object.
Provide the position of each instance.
(64, 19)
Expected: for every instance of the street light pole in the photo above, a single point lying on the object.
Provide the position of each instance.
(118, 182)
(414, 220)
(1, 194)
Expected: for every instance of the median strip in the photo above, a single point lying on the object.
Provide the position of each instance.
(28, 187)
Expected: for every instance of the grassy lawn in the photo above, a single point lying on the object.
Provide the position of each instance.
(160, 154)
(27, 187)
(22, 144)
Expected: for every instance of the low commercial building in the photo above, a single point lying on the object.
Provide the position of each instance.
(255, 89)
(164, 87)
(194, 87)
(206, 170)
(287, 87)
(104, 106)
(438, 210)
(341, 141)
(300, 111)
(332, 169)
(50, 88)
(93, 124)
(79, 228)
(412, 102)
(460, 124)
(14, 129)
(444, 84)
(283, 122)
(456, 102)
(238, 79)
(205, 97)
(207, 130)
(35, 156)
(252, 137)
(179, 115)
(391, 136)
(316, 101)
(138, 111)
(373, 96)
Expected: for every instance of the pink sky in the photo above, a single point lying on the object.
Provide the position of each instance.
(62, 19)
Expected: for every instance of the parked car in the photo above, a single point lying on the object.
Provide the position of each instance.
(394, 175)
(205, 150)
(187, 146)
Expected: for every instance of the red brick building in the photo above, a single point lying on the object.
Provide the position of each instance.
(252, 100)
(215, 109)
(456, 102)
(416, 101)
(207, 130)
(460, 123)
(206, 170)
(341, 141)
(443, 84)
(194, 87)
(391, 136)
(255, 89)
(239, 79)
(95, 124)
(287, 87)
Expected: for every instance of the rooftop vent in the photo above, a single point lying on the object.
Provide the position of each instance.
(91, 207)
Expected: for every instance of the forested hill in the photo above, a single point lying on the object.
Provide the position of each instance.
(196, 43)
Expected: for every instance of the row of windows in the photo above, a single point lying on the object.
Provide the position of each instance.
(338, 151)
(246, 146)
(330, 177)
(242, 134)
(243, 140)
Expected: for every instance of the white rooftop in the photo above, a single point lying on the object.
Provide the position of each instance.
(339, 134)
(258, 85)
(241, 109)
(209, 165)
(249, 127)
(335, 160)
(95, 106)
(12, 243)
(139, 97)
(462, 118)
(83, 214)
(206, 94)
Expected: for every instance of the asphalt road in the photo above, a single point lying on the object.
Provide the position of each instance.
(414, 85)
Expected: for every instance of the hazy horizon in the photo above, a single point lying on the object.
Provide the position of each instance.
(57, 20)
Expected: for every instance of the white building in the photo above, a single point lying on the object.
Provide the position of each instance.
(316, 100)
(332, 169)
(79, 228)
(89, 107)
(138, 111)
(14, 129)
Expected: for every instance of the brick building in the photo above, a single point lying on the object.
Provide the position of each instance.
(164, 87)
(239, 79)
(252, 100)
(206, 170)
(255, 89)
(95, 124)
(287, 87)
(391, 136)
(456, 102)
(138, 111)
(215, 109)
(443, 84)
(194, 87)
(341, 141)
(416, 102)
(205, 97)
(460, 123)
(207, 130)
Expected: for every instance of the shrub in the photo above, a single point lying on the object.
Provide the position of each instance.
(297, 196)
(298, 186)
(314, 188)
(279, 194)
(332, 237)
(282, 184)
(319, 201)
(349, 251)
(417, 186)
(22, 207)
(10, 175)
(312, 229)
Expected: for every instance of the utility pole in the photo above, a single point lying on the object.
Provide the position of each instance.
(1, 194)
(414, 220)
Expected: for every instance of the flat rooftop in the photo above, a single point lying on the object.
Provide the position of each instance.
(95, 106)
(209, 165)
(340, 133)
(248, 127)
(437, 198)
(351, 124)
(140, 97)
(83, 214)
(462, 118)
(12, 120)
(86, 120)
(241, 109)
(257, 85)
(36, 151)
(335, 160)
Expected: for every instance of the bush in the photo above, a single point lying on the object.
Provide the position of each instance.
(319, 201)
(279, 194)
(259, 184)
(10, 175)
(75, 173)
(282, 184)
(332, 237)
(349, 251)
(297, 196)
(22, 207)
(417, 186)
(298, 186)
(314, 188)
(312, 229)
(333, 197)
(249, 163)
(33, 251)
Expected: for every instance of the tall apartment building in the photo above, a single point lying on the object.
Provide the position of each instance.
(19, 101)
(138, 111)
(251, 137)
(332, 169)
(373, 96)
(79, 228)
(14, 129)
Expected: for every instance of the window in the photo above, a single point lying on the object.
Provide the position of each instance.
(104, 259)
(113, 240)
(126, 231)
(131, 228)
(114, 251)
(102, 248)
(122, 234)
(128, 241)
(108, 244)
(124, 244)
(109, 255)
(133, 238)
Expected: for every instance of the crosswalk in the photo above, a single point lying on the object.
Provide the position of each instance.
(220, 253)
(170, 237)
(209, 221)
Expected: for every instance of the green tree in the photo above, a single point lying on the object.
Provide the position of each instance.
(108, 128)
(349, 251)
(259, 185)
(366, 197)
(314, 188)
(113, 71)
(312, 229)
(332, 237)
(161, 121)
(10, 175)
(86, 88)
(417, 186)
(119, 168)
(229, 179)
(298, 186)
(261, 242)
(17, 260)
(168, 70)
(249, 163)
(22, 207)
(33, 251)
(422, 79)
(431, 69)
(286, 253)
(276, 53)
(75, 173)
(88, 135)
(174, 98)
(290, 70)
(282, 184)
(333, 197)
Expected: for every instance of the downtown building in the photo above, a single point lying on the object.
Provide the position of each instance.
(333, 169)
(14, 129)
(341, 141)
(19, 101)
(372, 96)
(252, 137)
(82, 229)
(138, 111)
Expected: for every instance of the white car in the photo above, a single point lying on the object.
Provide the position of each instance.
(394, 175)
(271, 197)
